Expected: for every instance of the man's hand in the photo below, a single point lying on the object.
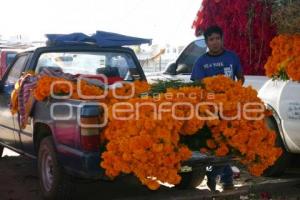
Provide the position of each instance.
(240, 76)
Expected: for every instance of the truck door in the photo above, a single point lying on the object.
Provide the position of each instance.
(7, 122)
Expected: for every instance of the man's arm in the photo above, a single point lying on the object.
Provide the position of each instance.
(239, 71)
(240, 76)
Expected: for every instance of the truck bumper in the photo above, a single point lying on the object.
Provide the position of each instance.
(87, 164)
(80, 164)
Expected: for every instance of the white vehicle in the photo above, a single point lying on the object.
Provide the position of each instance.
(282, 97)
(181, 68)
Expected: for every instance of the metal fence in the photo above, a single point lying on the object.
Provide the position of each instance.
(154, 65)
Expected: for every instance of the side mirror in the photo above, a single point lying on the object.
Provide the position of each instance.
(183, 69)
(171, 69)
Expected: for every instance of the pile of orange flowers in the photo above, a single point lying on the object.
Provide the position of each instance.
(47, 86)
(252, 139)
(147, 148)
(284, 63)
(83, 90)
(147, 144)
(150, 148)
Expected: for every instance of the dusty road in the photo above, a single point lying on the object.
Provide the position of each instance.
(19, 181)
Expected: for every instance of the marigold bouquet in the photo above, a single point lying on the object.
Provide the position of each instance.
(284, 63)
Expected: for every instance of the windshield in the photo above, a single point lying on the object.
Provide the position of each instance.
(188, 57)
(192, 53)
(90, 63)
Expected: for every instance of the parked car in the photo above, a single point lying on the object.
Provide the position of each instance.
(63, 148)
(6, 58)
(282, 97)
(181, 68)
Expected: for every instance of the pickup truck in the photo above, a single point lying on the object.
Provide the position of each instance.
(64, 149)
(281, 97)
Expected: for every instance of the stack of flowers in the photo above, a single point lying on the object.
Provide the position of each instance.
(150, 148)
(247, 136)
(147, 140)
(247, 29)
(61, 86)
(284, 63)
(148, 144)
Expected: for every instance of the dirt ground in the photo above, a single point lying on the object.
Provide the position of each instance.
(18, 178)
(19, 181)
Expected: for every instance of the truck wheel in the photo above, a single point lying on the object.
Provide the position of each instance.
(54, 183)
(284, 160)
(191, 179)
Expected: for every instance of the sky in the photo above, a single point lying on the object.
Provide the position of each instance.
(164, 21)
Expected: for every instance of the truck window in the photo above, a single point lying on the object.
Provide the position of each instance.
(16, 70)
(9, 58)
(89, 63)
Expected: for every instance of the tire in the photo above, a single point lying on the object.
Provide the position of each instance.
(284, 160)
(191, 179)
(54, 184)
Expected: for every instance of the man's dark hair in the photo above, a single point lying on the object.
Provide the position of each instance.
(213, 29)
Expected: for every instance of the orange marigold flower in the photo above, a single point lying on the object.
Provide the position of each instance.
(285, 57)
(222, 150)
(211, 144)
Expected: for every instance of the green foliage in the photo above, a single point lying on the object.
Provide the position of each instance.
(161, 86)
(282, 75)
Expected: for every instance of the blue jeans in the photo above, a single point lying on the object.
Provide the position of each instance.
(224, 171)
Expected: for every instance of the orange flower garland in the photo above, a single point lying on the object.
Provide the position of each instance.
(285, 58)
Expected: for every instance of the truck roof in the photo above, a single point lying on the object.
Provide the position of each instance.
(74, 47)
